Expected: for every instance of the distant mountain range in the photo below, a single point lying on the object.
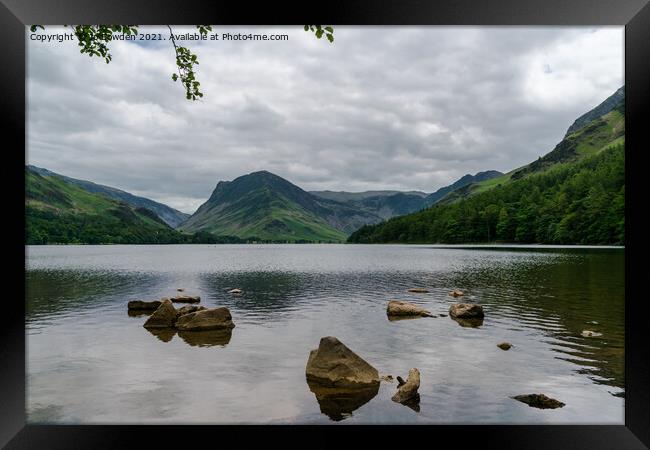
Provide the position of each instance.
(262, 206)
(258, 206)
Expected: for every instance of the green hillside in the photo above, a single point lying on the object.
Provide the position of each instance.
(575, 194)
(572, 203)
(57, 212)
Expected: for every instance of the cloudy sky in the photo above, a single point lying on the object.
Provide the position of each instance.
(407, 108)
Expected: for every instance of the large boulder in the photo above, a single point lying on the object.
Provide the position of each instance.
(407, 393)
(164, 317)
(466, 311)
(207, 319)
(138, 305)
(186, 299)
(333, 364)
(399, 308)
(189, 309)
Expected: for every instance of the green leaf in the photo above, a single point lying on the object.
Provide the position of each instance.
(330, 37)
(319, 34)
(306, 28)
(330, 29)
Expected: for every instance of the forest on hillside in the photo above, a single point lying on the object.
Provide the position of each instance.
(571, 203)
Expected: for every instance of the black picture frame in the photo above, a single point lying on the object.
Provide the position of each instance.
(633, 14)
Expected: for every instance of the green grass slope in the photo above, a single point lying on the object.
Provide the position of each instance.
(57, 212)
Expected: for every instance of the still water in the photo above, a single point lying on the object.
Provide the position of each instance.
(89, 361)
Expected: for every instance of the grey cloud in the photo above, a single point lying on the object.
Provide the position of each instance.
(410, 108)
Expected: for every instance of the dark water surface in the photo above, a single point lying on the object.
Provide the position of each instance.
(89, 361)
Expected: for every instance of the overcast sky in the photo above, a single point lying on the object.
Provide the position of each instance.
(406, 108)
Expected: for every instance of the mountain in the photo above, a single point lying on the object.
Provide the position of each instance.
(432, 199)
(60, 212)
(170, 216)
(265, 206)
(613, 101)
(575, 194)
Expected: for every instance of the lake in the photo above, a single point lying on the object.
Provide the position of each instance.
(89, 361)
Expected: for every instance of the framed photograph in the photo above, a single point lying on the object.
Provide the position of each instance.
(416, 215)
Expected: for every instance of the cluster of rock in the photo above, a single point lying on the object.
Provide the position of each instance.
(187, 318)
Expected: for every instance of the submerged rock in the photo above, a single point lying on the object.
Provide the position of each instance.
(418, 290)
(235, 291)
(164, 317)
(456, 293)
(539, 401)
(139, 305)
(504, 345)
(207, 319)
(388, 378)
(180, 289)
(186, 299)
(589, 333)
(466, 311)
(333, 364)
(399, 308)
(208, 338)
(189, 309)
(339, 403)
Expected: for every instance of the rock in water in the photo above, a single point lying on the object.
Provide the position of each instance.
(143, 305)
(399, 308)
(409, 390)
(207, 319)
(189, 309)
(333, 364)
(504, 345)
(539, 401)
(164, 317)
(418, 290)
(456, 293)
(186, 299)
(466, 311)
(388, 378)
(180, 289)
(235, 291)
(589, 333)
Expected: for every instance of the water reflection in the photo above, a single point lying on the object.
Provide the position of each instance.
(209, 338)
(337, 403)
(139, 312)
(79, 336)
(468, 323)
(164, 334)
